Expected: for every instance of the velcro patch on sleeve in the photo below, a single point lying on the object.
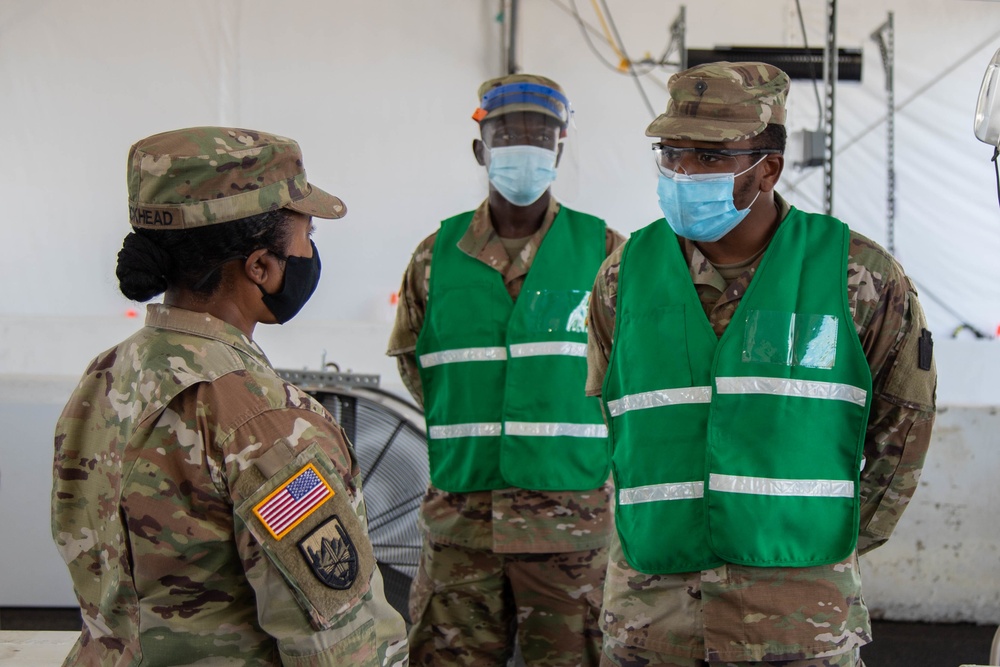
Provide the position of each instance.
(292, 502)
(303, 518)
(909, 380)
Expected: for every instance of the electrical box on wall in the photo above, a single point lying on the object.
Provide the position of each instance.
(806, 148)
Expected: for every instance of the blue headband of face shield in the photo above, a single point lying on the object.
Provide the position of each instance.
(528, 93)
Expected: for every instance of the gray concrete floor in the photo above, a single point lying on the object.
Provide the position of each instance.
(895, 645)
(928, 644)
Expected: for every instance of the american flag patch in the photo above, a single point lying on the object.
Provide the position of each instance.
(290, 504)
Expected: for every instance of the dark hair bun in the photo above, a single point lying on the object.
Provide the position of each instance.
(142, 268)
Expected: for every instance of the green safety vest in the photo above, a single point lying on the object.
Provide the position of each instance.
(503, 382)
(746, 448)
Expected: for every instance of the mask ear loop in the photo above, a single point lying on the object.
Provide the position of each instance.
(204, 279)
(752, 200)
(750, 167)
(754, 165)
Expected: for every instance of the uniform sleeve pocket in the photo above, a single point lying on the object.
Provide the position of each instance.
(307, 527)
(359, 648)
(913, 377)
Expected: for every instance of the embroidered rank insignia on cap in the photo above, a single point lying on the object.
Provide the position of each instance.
(331, 554)
(290, 504)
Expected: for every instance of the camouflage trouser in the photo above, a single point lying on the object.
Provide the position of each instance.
(468, 605)
(618, 655)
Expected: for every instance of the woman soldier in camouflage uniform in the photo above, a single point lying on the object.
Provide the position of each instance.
(209, 511)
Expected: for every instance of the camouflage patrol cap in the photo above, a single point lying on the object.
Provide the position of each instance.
(207, 175)
(522, 92)
(722, 101)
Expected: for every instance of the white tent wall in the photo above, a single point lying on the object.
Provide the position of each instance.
(379, 94)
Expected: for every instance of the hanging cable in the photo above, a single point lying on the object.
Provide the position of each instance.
(631, 69)
(590, 44)
(996, 168)
(586, 31)
(607, 35)
(589, 32)
(963, 323)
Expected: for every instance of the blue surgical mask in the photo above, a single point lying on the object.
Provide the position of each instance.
(522, 173)
(700, 206)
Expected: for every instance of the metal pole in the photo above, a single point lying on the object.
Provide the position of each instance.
(512, 38)
(885, 37)
(830, 70)
(891, 141)
(679, 28)
(502, 21)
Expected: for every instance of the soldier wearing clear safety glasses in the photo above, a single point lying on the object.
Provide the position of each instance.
(768, 386)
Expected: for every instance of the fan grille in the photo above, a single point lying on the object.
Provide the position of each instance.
(392, 454)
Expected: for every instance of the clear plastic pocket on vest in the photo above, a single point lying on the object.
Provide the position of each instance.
(790, 339)
(555, 311)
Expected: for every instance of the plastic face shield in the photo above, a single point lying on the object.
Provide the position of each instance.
(536, 97)
(987, 124)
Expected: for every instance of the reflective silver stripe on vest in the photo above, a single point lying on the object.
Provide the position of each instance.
(656, 492)
(561, 348)
(464, 354)
(803, 388)
(464, 430)
(556, 428)
(765, 486)
(659, 398)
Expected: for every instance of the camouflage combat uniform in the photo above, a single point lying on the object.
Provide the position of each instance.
(168, 457)
(553, 543)
(734, 613)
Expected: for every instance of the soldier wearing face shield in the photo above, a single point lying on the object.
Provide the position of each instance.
(490, 337)
(768, 383)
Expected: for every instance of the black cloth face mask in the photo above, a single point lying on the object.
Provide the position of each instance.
(301, 279)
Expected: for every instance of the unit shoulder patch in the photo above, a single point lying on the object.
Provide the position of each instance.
(331, 554)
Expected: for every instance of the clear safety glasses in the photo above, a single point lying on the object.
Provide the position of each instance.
(672, 159)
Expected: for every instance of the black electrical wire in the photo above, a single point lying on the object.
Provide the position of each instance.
(963, 323)
(996, 168)
(586, 30)
(812, 65)
(631, 69)
(667, 49)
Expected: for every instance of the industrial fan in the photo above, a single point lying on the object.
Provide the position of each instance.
(389, 438)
